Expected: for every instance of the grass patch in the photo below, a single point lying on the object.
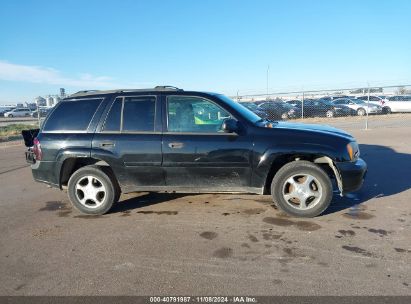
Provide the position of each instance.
(15, 129)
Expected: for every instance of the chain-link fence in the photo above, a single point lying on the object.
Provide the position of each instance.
(355, 108)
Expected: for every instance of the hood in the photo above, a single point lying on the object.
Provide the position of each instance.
(312, 128)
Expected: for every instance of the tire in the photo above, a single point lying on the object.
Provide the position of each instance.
(10, 116)
(386, 110)
(361, 112)
(290, 182)
(329, 114)
(92, 190)
(284, 116)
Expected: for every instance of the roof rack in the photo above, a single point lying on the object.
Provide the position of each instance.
(166, 88)
(98, 92)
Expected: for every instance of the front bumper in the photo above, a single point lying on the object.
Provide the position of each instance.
(352, 174)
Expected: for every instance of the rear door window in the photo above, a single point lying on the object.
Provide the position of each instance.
(139, 114)
(72, 115)
(113, 119)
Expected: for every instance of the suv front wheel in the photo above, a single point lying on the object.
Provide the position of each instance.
(92, 191)
(302, 189)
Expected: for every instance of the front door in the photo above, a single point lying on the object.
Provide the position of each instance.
(130, 142)
(197, 153)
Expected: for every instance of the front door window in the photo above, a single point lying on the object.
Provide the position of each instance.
(194, 115)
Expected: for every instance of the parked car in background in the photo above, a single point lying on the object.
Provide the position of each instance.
(359, 106)
(298, 103)
(373, 99)
(320, 108)
(249, 105)
(254, 108)
(400, 103)
(325, 107)
(279, 110)
(43, 113)
(295, 103)
(19, 112)
(4, 110)
(339, 96)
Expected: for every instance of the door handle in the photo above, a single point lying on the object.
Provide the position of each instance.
(176, 145)
(107, 144)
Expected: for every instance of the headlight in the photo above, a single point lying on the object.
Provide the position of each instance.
(353, 150)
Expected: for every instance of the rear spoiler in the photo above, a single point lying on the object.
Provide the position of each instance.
(29, 135)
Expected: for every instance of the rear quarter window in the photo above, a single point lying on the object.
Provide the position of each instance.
(72, 115)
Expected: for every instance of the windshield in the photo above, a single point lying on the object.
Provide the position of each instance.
(326, 102)
(287, 106)
(249, 105)
(357, 101)
(246, 113)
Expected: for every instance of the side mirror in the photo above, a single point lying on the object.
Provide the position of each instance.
(229, 125)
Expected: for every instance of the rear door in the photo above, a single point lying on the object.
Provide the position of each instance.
(197, 154)
(129, 140)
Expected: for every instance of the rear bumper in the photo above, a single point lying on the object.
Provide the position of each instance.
(43, 171)
(379, 111)
(352, 174)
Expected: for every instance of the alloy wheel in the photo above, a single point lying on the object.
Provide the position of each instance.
(302, 191)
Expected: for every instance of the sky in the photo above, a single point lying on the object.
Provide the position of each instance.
(215, 45)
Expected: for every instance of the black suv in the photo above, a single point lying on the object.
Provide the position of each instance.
(97, 144)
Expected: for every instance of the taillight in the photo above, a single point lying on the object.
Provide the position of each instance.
(37, 149)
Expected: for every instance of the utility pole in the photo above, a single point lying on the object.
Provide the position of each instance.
(302, 107)
(38, 113)
(268, 70)
(368, 107)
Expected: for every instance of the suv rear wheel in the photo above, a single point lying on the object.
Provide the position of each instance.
(92, 191)
(302, 189)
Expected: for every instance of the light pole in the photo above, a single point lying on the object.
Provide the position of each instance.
(268, 70)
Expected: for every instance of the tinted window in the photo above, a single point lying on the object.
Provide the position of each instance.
(74, 115)
(112, 122)
(404, 98)
(138, 113)
(194, 114)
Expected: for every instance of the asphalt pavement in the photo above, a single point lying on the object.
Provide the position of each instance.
(176, 244)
